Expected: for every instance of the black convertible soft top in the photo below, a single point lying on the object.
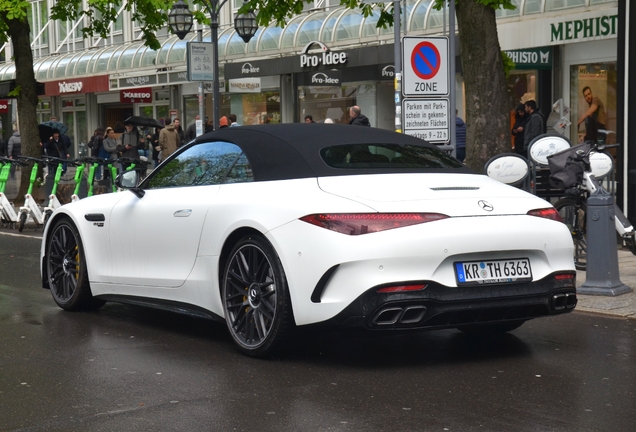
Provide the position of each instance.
(289, 151)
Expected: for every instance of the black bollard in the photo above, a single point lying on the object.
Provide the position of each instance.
(602, 276)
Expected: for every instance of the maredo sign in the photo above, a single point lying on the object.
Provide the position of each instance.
(4, 106)
(76, 86)
(136, 95)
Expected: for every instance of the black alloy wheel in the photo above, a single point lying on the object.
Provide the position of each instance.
(66, 269)
(256, 298)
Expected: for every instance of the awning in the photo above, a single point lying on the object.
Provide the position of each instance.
(7, 87)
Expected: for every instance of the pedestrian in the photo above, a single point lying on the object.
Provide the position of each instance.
(460, 138)
(535, 125)
(518, 130)
(309, 119)
(223, 122)
(191, 131)
(232, 119)
(14, 149)
(109, 150)
(328, 120)
(58, 146)
(177, 127)
(168, 140)
(594, 117)
(209, 125)
(130, 142)
(95, 144)
(156, 148)
(357, 118)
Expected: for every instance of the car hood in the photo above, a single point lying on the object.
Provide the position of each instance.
(450, 194)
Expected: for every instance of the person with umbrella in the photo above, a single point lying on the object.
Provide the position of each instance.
(131, 142)
(58, 146)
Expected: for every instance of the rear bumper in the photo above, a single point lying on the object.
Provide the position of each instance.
(439, 306)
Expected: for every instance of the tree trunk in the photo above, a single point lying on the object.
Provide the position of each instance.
(487, 110)
(27, 98)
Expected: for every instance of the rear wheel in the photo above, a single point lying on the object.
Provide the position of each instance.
(575, 217)
(491, 329)
(66, 269)
(22, 221)
(256, 297)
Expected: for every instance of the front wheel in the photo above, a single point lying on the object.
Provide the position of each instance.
(574, 215)
(22, 221)
(66, 269)
(256, 297)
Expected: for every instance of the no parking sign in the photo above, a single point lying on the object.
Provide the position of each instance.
(425, 61)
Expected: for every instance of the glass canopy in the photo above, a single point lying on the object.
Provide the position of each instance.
(334, 26)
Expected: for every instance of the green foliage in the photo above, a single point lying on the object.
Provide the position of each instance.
(508, 64)
(15, 92)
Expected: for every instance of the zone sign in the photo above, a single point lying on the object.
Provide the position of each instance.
(426, 71)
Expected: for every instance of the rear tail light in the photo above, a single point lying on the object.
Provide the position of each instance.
(365, 223)
(565, 276)
(401, 288)
(548, 213)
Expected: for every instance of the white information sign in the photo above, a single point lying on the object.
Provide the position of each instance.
(427, 119)
(425, 66)
(200, 61)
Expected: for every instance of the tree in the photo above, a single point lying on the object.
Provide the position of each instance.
(487, 101)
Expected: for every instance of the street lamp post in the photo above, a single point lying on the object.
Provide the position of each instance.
(245, 25)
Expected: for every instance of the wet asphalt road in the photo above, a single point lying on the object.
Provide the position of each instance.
(127, 368)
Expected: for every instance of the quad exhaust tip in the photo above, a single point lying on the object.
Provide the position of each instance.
(402, 315)
(564, 301)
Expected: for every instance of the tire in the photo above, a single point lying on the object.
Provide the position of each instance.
(256, 297)
(66, 269)
(22, 221)
(575, 217)
(490, 329)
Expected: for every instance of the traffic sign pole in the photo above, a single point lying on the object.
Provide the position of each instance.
(397, 58)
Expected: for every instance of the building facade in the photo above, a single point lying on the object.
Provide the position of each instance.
(323, 61)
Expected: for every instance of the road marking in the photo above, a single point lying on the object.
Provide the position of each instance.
(21, 235)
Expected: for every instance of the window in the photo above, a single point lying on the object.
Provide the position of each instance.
(593, 90)
(562, 4)
(38, 19)
(386, 156)
(204, 164)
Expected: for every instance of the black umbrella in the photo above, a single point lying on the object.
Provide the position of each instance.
(56, 125)
(143, 122)
(46, 132)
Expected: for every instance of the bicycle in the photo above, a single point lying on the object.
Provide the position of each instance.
(571, 170)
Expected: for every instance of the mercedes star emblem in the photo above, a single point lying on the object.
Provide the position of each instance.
(485, 205)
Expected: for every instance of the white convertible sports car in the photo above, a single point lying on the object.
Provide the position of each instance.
(274, 226)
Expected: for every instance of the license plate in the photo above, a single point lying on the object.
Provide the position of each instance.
(493, 272)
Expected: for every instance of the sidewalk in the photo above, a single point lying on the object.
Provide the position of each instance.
(621, 306)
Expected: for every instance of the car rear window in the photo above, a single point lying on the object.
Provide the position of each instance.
(389, 156)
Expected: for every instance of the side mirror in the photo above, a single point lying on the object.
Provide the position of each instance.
(128, 180)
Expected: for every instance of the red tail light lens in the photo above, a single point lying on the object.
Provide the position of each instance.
(401, 288)
(365, 223)
(548, 213)
(564, 276)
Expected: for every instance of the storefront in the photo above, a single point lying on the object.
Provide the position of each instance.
(584, 48)
(319, 82)
(76, 109)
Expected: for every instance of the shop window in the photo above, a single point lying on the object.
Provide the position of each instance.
(333, 102)
(522, 84)
(593, 102)
(252, 108)
(562, 4)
